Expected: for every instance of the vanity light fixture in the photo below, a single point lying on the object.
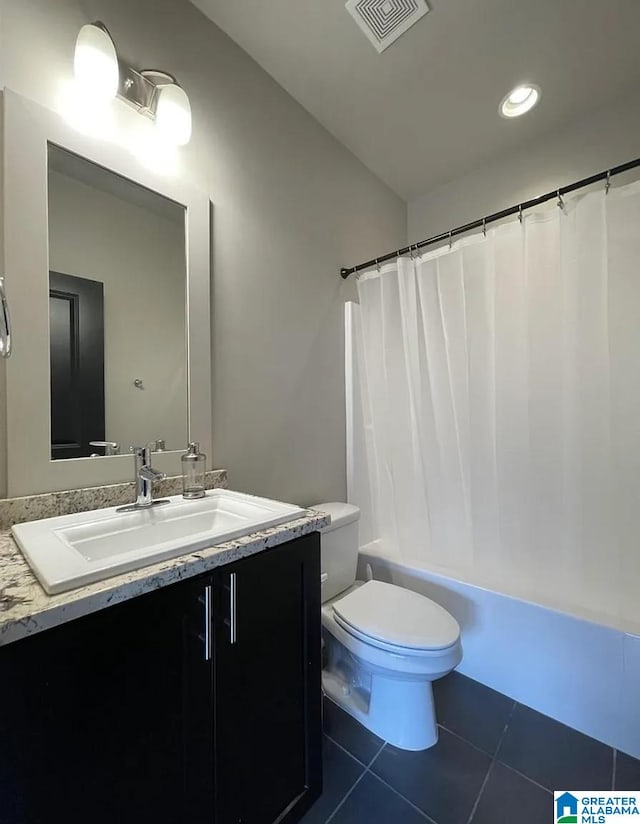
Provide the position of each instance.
(520, 100)
(95, 62)
(155, 94)
(173, 113)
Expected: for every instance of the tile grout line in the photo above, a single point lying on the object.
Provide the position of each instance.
(526, 777)
(367, 769)
(493, 762)
(466, 740)
(484, 784)
(399, 794)
(348, 752)
(384, 744)
(504, 731)
(532, 780)
(355, 783)
(475, 746)
(508, 766)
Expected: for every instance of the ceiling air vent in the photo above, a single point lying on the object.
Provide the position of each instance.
(384, 21)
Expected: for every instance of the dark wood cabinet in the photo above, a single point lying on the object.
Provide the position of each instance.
(95, 711)
(199, 702)
(267, 685)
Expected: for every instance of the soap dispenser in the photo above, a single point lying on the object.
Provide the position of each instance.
(193, 472)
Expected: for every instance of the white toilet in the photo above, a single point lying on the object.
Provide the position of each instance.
(384, 644)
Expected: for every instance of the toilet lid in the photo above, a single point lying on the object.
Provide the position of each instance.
(395, 615)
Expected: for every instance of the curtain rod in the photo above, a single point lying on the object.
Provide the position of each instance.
(482, 222)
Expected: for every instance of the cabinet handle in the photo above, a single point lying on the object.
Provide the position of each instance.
(208, 596)
(233, 634)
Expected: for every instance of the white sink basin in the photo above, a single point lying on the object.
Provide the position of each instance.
(71, 550)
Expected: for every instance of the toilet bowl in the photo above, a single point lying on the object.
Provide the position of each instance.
(383, 644)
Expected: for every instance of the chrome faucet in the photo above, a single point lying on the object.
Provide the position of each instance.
(145, 478)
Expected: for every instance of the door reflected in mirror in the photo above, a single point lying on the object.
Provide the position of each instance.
(117, 312)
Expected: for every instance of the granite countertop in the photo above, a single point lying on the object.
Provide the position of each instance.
(25, 608)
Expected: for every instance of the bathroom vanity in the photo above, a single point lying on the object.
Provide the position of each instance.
(198, 701)
(182, 692)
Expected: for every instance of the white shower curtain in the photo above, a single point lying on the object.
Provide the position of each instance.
(500, 405)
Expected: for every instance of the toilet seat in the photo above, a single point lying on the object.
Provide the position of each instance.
(398, 662)
(396, 619)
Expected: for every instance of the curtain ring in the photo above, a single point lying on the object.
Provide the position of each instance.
(520, 213)
(377, 264)
(484, 226)
(450, 241)
(410, 252)
(560, 203)
(607, 185)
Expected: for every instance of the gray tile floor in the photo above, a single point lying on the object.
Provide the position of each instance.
(493, 756)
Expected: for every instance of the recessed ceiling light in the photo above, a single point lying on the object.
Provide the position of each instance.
(520, 100)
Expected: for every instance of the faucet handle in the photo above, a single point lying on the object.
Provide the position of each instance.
(110, 447)
(152, 475)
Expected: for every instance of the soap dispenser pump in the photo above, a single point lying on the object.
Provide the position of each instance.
(193, 472)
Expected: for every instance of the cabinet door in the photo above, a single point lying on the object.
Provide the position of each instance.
(98, 716)
(267, 685)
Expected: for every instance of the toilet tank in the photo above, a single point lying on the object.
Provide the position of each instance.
(338, 548)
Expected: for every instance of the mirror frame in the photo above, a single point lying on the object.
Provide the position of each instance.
(28, 131)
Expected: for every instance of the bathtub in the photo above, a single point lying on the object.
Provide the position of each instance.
(578, 670)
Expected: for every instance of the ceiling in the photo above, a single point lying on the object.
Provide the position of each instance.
(426, 110)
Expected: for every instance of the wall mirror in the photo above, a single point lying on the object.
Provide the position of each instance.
(117, 312)
(107, 276)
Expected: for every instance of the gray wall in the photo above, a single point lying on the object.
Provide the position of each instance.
(290, 206)
(608, 137)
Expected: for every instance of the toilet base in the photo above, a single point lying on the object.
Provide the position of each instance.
(400, 712)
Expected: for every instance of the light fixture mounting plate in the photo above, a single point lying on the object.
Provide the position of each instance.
(139, 88)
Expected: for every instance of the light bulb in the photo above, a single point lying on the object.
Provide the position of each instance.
(95, 62)
(173, 114)
(519, 100)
